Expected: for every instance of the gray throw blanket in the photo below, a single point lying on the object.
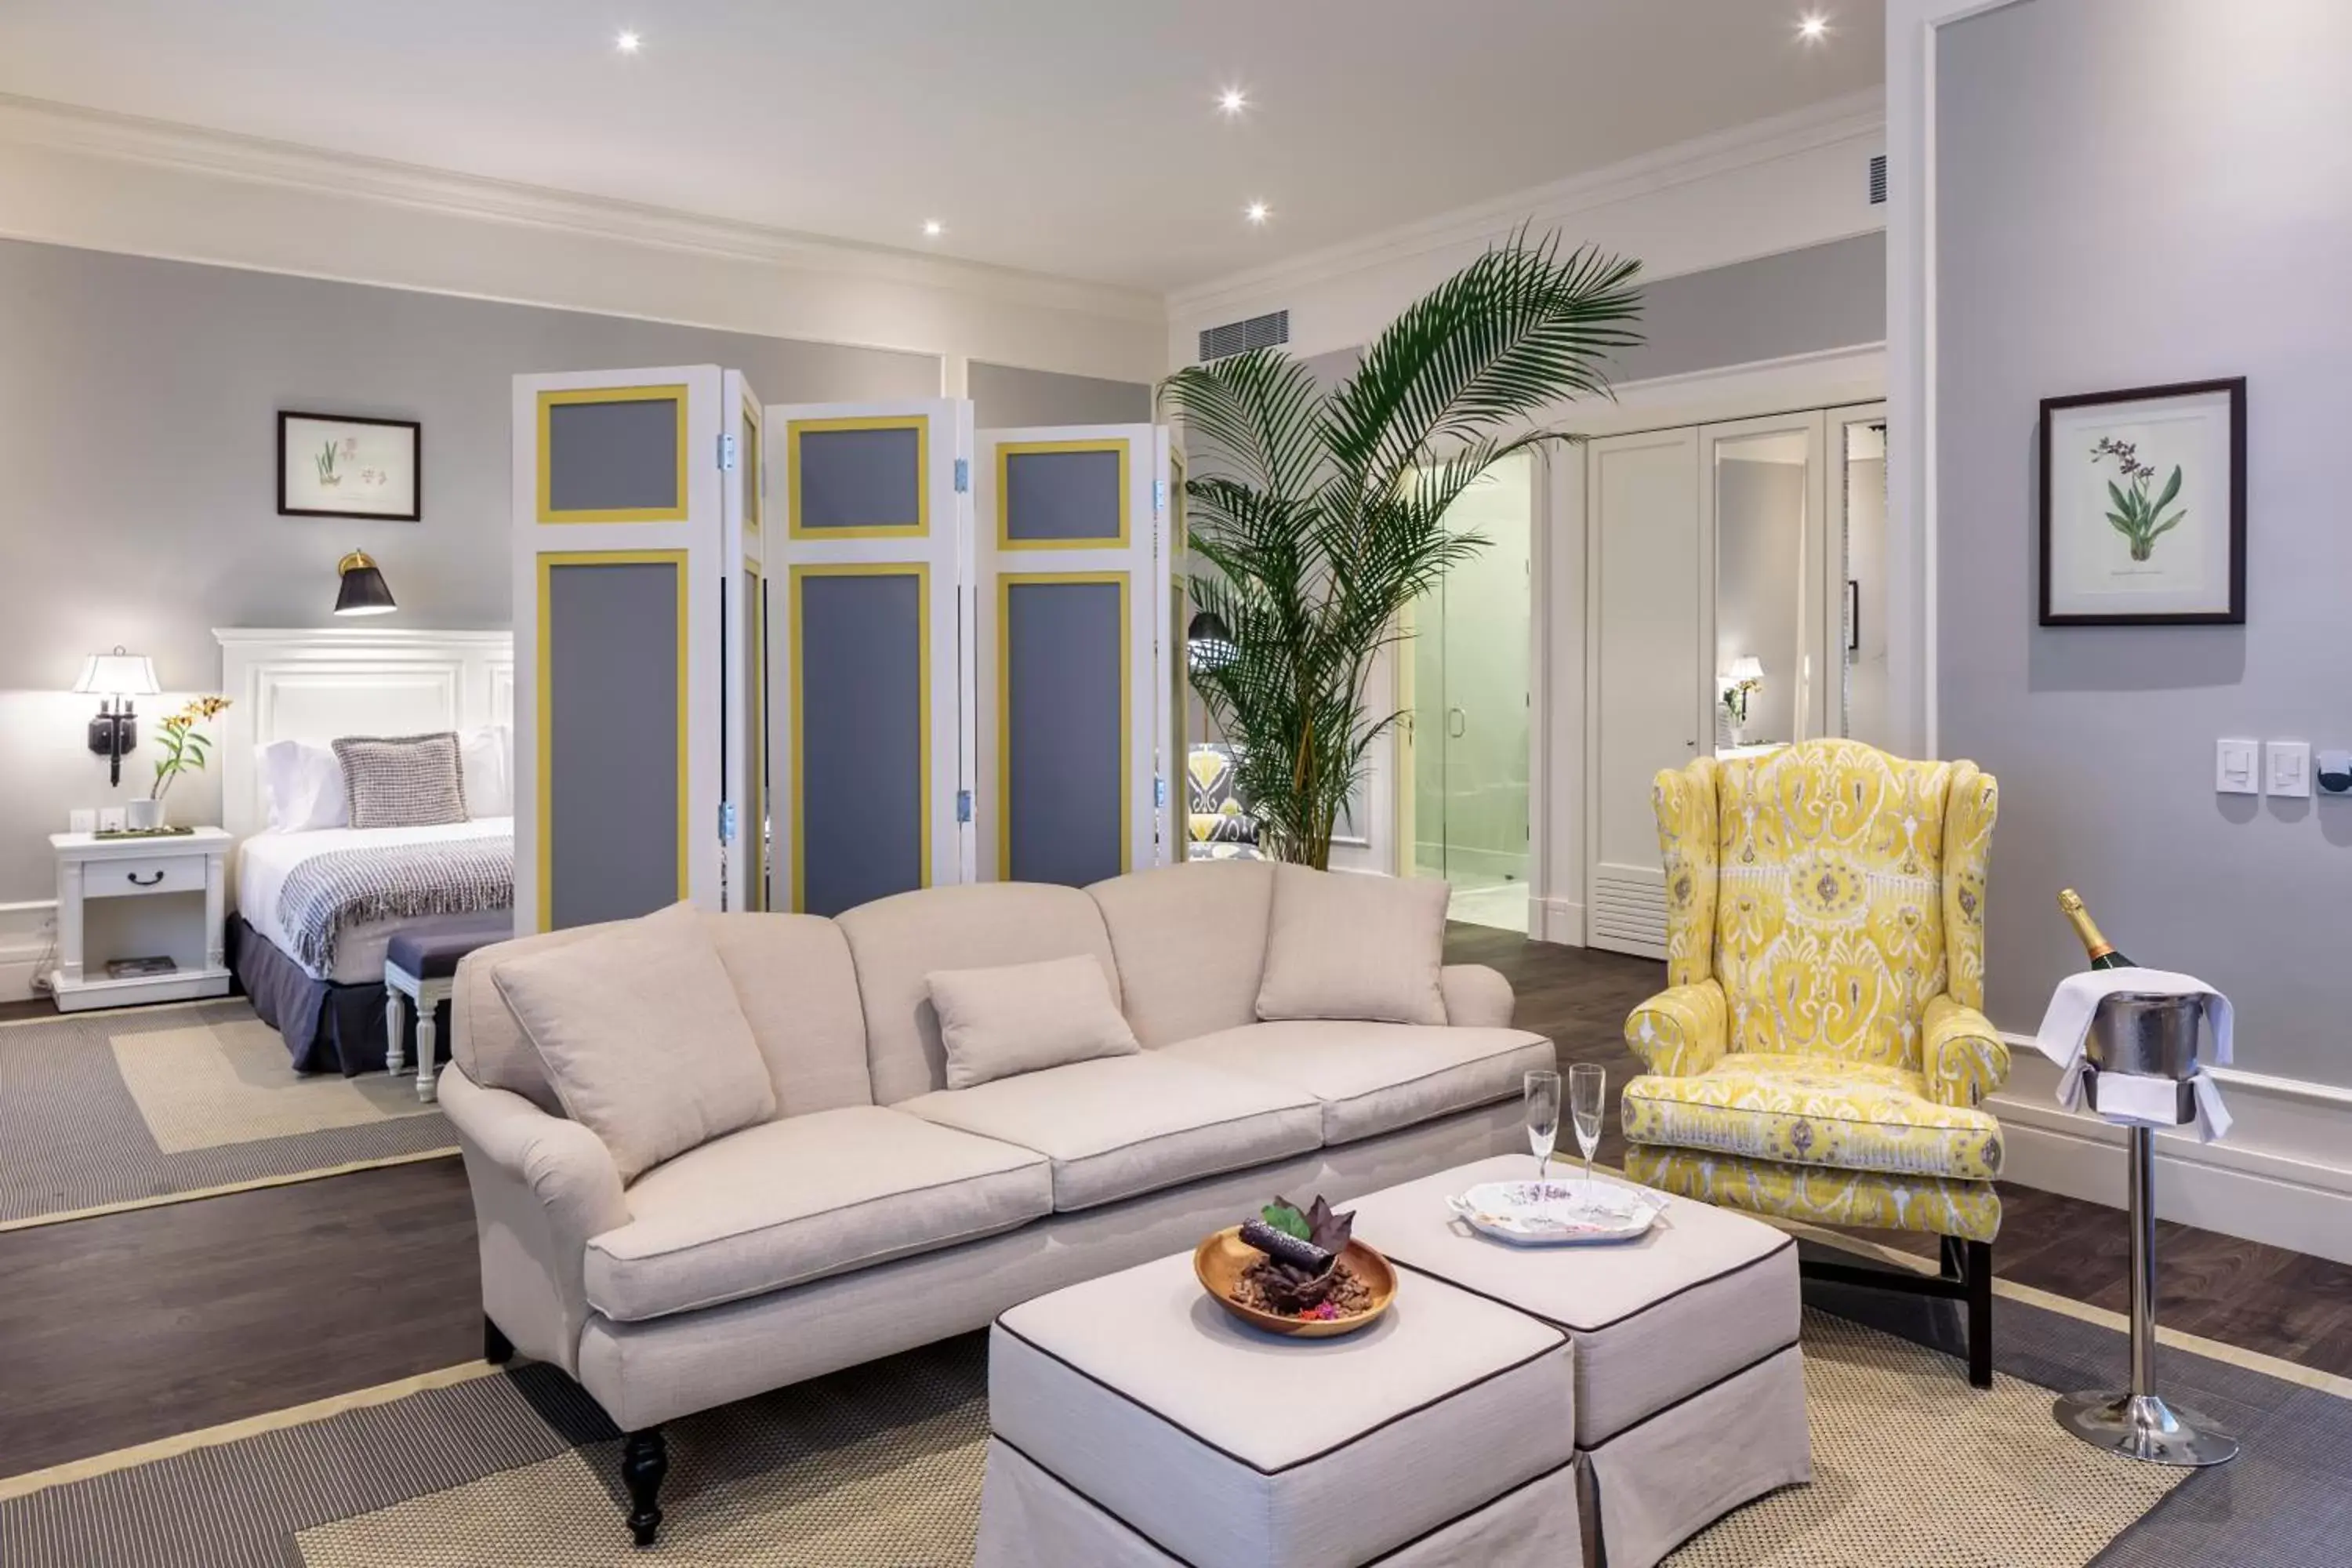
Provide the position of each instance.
(327, 893)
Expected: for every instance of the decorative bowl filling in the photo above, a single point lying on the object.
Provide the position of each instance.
(1300, 1272)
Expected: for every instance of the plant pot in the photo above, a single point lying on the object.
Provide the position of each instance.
(146, 814)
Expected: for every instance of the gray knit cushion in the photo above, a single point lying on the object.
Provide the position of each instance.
(402, 781)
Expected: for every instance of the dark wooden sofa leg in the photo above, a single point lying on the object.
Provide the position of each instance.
(1978, 1266)
(644, 1460)
(497, 1349)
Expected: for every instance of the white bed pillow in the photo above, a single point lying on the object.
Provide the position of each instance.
(486, 760)
(304, 784)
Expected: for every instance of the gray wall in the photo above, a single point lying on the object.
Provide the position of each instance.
(1006, 397)
(1822, 296)
(2134, 192)
(138, 503)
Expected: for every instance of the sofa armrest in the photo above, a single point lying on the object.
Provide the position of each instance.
(1476, 997)
(542, 1186)
(1682, 1031)
(1963, 1055)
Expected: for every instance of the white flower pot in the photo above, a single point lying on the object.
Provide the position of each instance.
(144, 813)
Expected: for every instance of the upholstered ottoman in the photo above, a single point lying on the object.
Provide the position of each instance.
(1690, 1387)
(1136, 1424)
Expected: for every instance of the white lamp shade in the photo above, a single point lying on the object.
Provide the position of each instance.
(118, 674)
(1746, 667)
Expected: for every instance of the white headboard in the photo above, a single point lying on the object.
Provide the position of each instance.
(321, 683)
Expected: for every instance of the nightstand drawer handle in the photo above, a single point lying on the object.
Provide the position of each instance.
(137, 880)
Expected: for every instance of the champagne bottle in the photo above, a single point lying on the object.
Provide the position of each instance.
(2103, 951)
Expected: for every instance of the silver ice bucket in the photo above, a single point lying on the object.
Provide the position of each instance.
(2150, 1034)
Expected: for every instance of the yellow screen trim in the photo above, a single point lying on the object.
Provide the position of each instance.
(550, 401)
(921, 423)
(1008, 450)
(922, 573)
(1005, 584)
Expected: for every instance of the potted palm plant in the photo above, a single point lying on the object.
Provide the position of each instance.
(1321, 515)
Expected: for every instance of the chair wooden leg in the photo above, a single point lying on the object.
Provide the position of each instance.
(497, 1349)
(644, 1460)
(1978, 1266)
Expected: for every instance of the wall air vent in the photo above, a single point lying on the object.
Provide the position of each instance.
(1878, 181)
(1240, 337)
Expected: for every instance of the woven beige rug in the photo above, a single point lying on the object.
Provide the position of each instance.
(1912, 1466)
(105, 1111)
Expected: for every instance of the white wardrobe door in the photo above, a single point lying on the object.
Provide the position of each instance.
(1643, 657)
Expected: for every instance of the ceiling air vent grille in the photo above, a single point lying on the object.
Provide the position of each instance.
(1878, 181)
(1240, 337)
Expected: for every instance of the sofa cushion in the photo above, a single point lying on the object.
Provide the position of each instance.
(792, 979)
(798, 991)
(790, 1201)
(1341, 946)
(1021, 1017)
(1122, 1125)
(642, 1036)
(897, 942)
(1191, 940)
(1377, 1078)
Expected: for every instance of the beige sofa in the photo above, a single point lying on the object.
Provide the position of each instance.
(879, 1210)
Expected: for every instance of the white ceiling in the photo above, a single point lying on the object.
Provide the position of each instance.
(1073, 137)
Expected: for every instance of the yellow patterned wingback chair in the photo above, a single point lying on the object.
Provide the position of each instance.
(1818, 1053)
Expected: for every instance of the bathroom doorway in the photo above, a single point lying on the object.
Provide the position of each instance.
(1465, 736)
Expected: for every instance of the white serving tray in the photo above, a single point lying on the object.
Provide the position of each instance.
(1556, 1214)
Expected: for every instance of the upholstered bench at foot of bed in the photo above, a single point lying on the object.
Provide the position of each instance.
(420, 968)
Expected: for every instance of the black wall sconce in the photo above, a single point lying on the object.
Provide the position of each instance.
(362, 590)
(1207, 642)
(116, 678)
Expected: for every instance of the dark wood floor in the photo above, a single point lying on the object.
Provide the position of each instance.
(125, 1329)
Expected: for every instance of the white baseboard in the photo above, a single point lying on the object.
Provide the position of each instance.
(26, 933)
(2283, 1176)
(1561, 921)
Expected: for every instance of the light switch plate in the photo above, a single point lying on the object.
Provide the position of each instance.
(82, 819)
(2286, 766)
(2237, 767)
(110, 819)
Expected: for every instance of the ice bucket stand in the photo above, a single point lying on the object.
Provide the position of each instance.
(2151, 1036)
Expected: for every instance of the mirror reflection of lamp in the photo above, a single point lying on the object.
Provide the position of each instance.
(1741, 681)
(116, 678)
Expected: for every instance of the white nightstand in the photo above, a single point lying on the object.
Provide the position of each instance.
(135, 898)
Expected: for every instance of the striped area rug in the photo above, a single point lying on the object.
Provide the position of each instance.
(880, 1467)
(103, 1111)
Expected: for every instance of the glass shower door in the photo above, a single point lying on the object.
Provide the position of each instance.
(1470, 718)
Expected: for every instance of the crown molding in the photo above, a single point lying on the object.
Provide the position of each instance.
(1720, 153)
(126, 138)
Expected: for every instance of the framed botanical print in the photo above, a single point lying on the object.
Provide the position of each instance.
(2144, 506)
(344, 465)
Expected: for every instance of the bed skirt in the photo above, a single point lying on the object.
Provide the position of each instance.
(327, 1027)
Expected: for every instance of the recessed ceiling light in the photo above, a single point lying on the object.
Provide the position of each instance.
(1814, 27)
(1233, 100)
(933, 228)
(1258, 212)
(628, 43)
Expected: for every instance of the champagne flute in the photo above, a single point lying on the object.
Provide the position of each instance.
(1587, 1086)
(1542, 1096)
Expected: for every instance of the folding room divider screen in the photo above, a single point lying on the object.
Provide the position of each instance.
(785, 670)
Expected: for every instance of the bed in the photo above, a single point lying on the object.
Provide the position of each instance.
(315, 907)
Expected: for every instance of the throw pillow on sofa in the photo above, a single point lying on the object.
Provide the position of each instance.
(641, 1035)
(1024, 1018)
(1360, 947)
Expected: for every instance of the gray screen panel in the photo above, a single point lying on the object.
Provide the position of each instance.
(860, 739)
(613, 457)
(613, 740)
(860, 479)
(1064, 731)
(1062, 495)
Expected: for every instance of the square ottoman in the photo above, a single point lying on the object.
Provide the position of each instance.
(1134, 1424)
(1690, 1387)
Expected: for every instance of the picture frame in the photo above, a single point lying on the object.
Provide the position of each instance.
(2144, 506)
(349, 465)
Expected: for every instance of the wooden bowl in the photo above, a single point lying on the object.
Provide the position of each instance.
(1221, 1259)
